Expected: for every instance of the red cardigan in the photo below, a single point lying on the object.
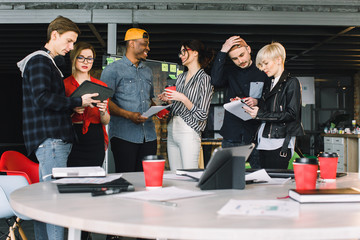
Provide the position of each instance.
(90, 115)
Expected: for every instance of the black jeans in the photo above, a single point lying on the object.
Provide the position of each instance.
(271, 159)
(128, 156)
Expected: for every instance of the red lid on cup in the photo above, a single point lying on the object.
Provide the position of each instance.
(328, 155)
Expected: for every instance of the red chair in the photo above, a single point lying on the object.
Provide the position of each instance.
(15, 161)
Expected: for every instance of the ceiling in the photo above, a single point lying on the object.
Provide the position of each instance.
(310, 49)
(321, 37)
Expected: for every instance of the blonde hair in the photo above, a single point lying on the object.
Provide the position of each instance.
(271, 51)
(76, 52)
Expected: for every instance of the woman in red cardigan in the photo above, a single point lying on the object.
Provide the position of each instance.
(89, 122)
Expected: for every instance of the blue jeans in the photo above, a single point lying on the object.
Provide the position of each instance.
(253, 159)
(51, 153)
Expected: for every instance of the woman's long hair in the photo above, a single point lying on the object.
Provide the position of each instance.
(205, 55)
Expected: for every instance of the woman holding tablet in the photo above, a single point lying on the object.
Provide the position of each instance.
(89, 123)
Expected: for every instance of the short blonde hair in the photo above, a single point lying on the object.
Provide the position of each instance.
(272, 50)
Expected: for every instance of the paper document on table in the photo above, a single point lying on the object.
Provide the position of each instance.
(154, 110)
(262, 175)
(260, 208)
(93, 180)
(236, 108)
(184, 177)
(164, 194)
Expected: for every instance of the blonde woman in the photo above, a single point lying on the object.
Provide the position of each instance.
(280, 110)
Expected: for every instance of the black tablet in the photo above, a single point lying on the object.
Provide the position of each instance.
(91, 87)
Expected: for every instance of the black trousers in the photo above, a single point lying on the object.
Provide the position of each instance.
(128, 156)
(271, 159)
(89, 150)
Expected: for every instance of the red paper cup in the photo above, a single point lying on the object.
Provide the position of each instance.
(153, 166)
(305, 170)
(328, 165)
(162, 113)
(171, 87)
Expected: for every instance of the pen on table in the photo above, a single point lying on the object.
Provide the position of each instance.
(106, 192)
(165, 203)
(189, 176)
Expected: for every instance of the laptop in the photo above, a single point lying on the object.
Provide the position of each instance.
(120, 183)
(78, 172)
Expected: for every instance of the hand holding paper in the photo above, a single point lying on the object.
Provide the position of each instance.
(236, 108)
(251, 111)
(153, 110)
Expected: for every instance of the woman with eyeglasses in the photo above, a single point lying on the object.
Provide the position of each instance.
(191, 102)
(89, 123)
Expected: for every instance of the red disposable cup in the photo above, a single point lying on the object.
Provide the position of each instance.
(162, 113)
(305, 170)
(171, 87)
(153, 166)
(328, 165)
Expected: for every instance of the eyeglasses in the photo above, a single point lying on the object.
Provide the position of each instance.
(183, 51)
(82, 59)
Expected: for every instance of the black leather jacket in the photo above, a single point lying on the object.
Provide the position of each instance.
(280, 108)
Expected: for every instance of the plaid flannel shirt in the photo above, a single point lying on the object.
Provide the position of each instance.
(46, 109)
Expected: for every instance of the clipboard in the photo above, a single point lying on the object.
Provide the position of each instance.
(91, 87)
(236, 108)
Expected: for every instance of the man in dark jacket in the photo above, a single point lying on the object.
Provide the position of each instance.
(241, 80)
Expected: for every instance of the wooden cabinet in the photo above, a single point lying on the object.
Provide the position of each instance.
(346, 148)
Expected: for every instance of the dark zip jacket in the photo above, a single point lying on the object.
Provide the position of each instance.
(281, 108)
(237, 82)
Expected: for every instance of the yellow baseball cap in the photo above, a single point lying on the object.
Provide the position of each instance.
(135, 33)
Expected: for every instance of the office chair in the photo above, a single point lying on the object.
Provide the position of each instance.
(8, 184)
(15, 161)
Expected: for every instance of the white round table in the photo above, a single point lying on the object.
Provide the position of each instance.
(193, 218)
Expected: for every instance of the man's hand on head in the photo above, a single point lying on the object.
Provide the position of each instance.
(234, 40)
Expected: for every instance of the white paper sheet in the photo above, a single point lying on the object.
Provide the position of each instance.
(154, 110)
(261, 175)
(164, 194)
(235, 107)
(93, 180)
(184, 177)
(260, 208)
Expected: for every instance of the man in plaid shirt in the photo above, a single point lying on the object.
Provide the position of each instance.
(47, 126)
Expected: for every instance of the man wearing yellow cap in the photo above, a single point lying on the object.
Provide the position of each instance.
(132, 136)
